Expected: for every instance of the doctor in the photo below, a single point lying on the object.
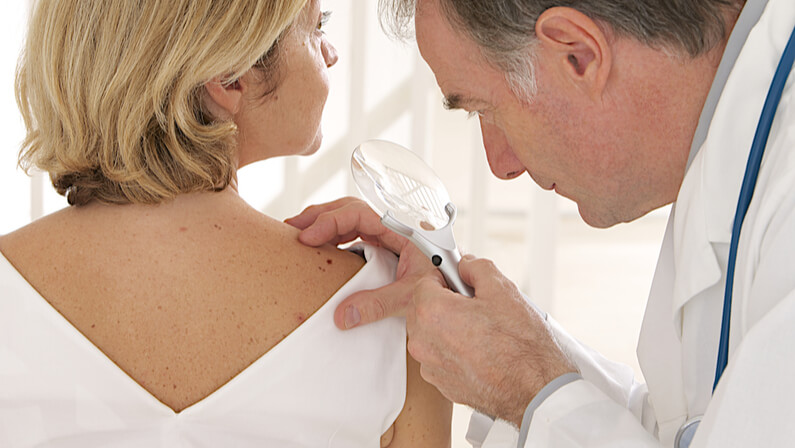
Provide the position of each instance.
(622, 106)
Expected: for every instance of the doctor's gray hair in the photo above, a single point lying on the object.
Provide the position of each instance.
(504, 29)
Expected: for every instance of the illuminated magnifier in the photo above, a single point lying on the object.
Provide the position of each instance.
(411, 201)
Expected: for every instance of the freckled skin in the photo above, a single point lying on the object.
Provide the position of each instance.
(240, 291)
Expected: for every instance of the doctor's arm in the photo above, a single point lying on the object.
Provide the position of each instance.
(494, 353)
(497, 354)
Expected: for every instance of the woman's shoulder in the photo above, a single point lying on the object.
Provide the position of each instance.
(229, 237)
(28, 243)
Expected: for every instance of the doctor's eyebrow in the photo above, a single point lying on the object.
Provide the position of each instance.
(454, 101)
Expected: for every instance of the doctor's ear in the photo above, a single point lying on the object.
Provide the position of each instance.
(223, 98)
(577, 45)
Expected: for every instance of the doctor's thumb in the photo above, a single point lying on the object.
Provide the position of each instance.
(370, 306)
(476, 271)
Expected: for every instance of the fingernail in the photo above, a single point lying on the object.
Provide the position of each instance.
(352, 317)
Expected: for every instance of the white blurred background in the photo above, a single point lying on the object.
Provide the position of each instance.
(594, 282)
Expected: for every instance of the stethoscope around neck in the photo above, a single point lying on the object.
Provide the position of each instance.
(688, 430)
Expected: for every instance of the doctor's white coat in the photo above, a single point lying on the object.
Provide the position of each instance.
(679, 340)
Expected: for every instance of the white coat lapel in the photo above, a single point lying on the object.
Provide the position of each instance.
(695, 264)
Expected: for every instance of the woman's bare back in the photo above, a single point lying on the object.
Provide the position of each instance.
(182, 296)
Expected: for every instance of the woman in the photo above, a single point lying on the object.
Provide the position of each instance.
(160, 309)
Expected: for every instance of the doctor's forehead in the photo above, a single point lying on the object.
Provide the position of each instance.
(463, 74)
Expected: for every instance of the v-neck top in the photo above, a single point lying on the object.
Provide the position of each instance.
(319, 387)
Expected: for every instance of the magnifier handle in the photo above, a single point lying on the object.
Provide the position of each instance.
(447, 262)
(444, 259)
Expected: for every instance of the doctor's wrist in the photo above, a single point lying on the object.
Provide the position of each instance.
(538, 387)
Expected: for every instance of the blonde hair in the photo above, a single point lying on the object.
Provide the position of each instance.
(111, 92)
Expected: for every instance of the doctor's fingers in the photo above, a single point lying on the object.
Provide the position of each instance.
(439, 321)
(448, 381)
(364, 307)
(486, 279)
(436, 359)
(342, 221)
(433, 301)
(309, 215)
(446, 364)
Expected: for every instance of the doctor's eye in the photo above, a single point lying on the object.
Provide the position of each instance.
(324, 18)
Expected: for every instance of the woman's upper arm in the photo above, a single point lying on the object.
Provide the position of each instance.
(426, 416)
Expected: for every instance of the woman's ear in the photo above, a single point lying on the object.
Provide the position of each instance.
(577, 45)
(223, 98)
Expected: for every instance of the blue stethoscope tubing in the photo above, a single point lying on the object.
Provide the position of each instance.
(747, 192)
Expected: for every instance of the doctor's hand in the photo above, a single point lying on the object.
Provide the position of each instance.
(493, 352)
(343, 221)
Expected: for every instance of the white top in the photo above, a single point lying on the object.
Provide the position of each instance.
(319, 387)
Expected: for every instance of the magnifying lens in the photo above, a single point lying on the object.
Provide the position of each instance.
(412, 201)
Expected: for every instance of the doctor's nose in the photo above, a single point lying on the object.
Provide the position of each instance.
(503, 162)
(329, 52)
